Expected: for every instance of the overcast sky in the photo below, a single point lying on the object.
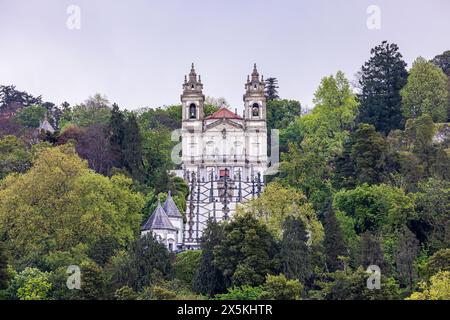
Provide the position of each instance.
(137, 52)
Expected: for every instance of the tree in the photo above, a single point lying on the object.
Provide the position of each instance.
(9, 95)
(377, 207)
(145, 258)
(281, 288)
(315, 140)
(186, 265)
(133, 149)
(14, 156)
(281, 113)
(31, 116)
(438, 289)
(246, 253)
(294, 252)
(349, 284)
(443, 62)
(382, 78)
(440, 261)
(426, 92)
(59, 203)
(209, 279)
(30, 284)
(276, 204)
(271, 89)
(370, 252)
(92, 283)
(433, 206)
(4, 273)
(368, 154)
(406, 253)
(334, 241)
(116, 136)
(344, 173)
(244, 292)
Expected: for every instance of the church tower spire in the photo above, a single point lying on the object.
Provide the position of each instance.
(255, 97)
(192, 97)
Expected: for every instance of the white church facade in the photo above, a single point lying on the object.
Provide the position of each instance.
(224, 157)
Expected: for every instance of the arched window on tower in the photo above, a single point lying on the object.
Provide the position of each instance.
(192, 111)
(255, 110)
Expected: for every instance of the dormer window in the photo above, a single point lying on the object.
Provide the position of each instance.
(192, 111)
(255, 110)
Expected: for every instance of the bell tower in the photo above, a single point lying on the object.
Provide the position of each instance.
(255, 97)
(192, 98)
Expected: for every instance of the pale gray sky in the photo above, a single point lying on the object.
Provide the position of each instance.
(137, 52)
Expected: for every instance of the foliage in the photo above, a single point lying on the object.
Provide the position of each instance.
(335, 244)
(281, 288)
(271, 86)
(31, 116)
(145, 259)
(60, 203)
(30, 284)
(209, 279)
(246, 253)
(295, 255)
(14, 156)
(382, 78)
(438, 289)
(349, 284)
(186, 265)
(426, 92)
(244, 292)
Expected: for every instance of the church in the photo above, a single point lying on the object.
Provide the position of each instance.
(224, 159)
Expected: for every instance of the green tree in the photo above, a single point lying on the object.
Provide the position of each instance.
(271, 87)
(281, 113)
(382, 78)
(247, 252)
(281, 288)
(59, 203)
(145, 257)
(30, 284)
(370, 252)
(443, 62)
(438, 289)
(186, 265)
(368, 154)
(133, 155)
(209, 279)
(335, 245)
(349, 284)
(294, 252)
(244, 292)
(432, 206)
(426, 92)
(14, 156)
(407, 250)
(92, 282)
(117, 136)
(31, 116)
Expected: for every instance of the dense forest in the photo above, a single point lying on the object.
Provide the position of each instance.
(364, 180)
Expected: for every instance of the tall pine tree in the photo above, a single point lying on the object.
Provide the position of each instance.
(370, 252)
(334, 241)
(117, 135)
(209, 279)
(294, 253)
(271, 89)
(382, 78)
(132, 150)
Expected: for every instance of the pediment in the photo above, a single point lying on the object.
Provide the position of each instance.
(225, 123)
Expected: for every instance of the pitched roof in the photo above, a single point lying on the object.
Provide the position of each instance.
(158, 220)
(224, 113)
(45, 125)
(171, 208)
